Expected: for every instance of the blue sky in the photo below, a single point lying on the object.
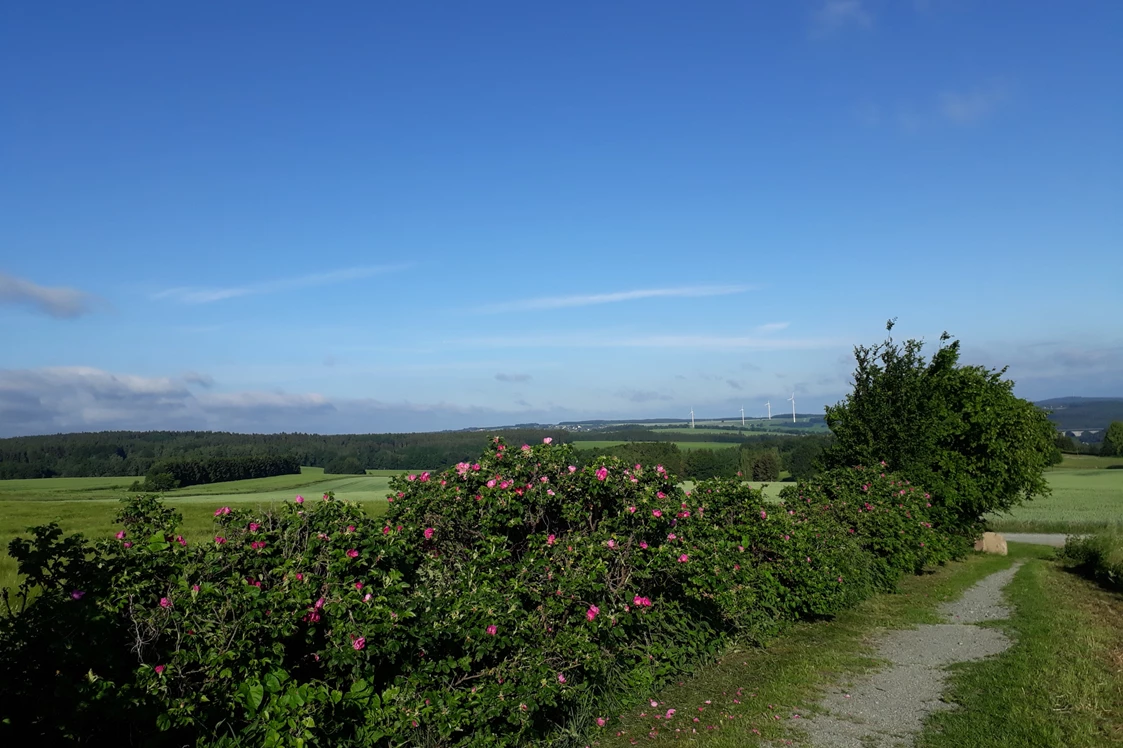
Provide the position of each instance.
(396, 216)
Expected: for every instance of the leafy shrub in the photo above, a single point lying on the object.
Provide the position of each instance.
(958, 430)
(1098, 556)
(499, 602)
(899, 525)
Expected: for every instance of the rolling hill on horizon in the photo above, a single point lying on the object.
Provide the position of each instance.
(1070, 413)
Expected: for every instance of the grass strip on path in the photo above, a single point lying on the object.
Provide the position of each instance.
(1061, 684)
(753, 694)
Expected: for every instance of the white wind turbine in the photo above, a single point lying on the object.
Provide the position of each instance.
(742, 415)
(692, 418)
(769, 406)
(792, 398)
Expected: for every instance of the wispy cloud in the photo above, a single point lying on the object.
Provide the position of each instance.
(512, 377)
(834, 15)
(196, 295)
(974, 105)
(76, 398)
(615, 297)
(680, 342)
(772, 327)
(643, 396)
(197, 378)
(55, 301)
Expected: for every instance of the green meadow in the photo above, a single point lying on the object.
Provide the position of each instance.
(1087, 494)
(88, 505)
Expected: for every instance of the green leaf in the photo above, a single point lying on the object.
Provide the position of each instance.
(253, 695)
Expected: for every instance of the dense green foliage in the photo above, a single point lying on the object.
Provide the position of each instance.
(797, 455)
(168, 474)
(957, 429)
(1098, 556)
(497, 603)
(134, 452)
(1113, 440)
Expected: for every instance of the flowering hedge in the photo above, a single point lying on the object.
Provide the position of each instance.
(498, 602)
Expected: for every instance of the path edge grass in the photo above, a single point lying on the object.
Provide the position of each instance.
(782, 680)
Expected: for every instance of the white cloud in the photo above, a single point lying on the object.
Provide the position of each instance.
(561, 302)
(834, 15)
(773, 327)
(969, 107)
(195, 295)
(55, 301)
(77, 398)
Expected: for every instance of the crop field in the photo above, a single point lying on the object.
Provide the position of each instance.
(88, 505)
(1083, 499)
(684, 446)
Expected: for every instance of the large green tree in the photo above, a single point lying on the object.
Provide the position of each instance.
(958, 430)
(1113, 440)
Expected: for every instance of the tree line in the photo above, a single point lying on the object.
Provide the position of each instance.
(759, 459)
(178, 473)
(134, 453)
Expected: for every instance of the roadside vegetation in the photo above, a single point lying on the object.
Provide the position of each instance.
(527, 594)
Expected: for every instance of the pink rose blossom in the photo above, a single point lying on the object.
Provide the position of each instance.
(299, 499)
(159, 669)
(643, 544)
(179, 539)
(656, 513)
(127, 544)
(219, 539)
(77, 594)
(358, 644)
(121, 535)
(353, 553)
(165, 602)
(491, 483)
(572, 469)
(428, 533)
(550, 539)
(601, 722)
(561, 678)
(602, 473)
(683, 558)
(671, 536)
(547, 440)
(611, 543)
(491, 630)
(592, 612)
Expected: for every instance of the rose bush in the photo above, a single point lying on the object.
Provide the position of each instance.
(499, 602)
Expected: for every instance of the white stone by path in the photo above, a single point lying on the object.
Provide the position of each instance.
(887, 708)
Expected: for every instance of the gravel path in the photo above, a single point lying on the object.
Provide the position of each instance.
(887, 709)
(1055, 539)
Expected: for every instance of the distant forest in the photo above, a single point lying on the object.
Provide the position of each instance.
(1074, 413)
(133, 453)
(147, 453)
